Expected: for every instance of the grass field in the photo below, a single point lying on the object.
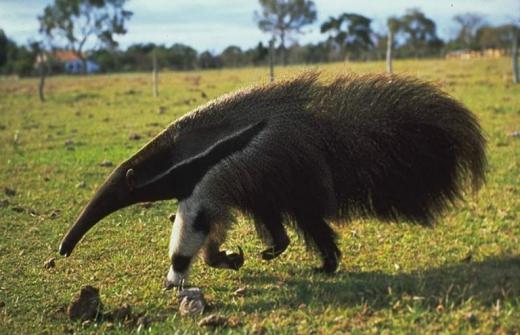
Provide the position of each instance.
(461, 277)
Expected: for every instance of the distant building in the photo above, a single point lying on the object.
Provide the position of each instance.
(73, 64)
(69, 62)
(470, 54)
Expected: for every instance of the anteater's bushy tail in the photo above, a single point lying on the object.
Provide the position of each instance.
(403, 149)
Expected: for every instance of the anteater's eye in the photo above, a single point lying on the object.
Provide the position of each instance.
(130, 180)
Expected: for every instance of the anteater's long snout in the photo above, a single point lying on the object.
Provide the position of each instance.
(105, 201)
(86, 220)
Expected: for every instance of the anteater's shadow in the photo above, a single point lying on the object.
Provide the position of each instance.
(449, 285)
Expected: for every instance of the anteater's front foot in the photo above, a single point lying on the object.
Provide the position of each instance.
(233, 260)
(225, 260)
(168, 285)
(175, 280)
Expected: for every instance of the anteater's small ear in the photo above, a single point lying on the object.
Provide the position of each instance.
(130, 179)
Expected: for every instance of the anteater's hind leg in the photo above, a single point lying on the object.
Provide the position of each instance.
(319, 233)
(269, 227)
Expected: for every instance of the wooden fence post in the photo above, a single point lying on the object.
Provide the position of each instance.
(43, 72)
(154, 74)
(271, 59)
(514, 55)
(389, 46)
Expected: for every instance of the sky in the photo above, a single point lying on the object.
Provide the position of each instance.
(215, 24)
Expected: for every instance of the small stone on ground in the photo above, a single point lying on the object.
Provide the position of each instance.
(240, 292)
(106, 163)
(50, 263)
(9, 192)
(123, 313)
(81, 184)
(86, 305)
(192, 301)
(213, 321)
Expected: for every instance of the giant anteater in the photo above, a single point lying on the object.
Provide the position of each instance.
(302, 151)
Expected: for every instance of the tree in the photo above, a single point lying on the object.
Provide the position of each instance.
(258, 54)
(499, 37)
(316, 53)
(468, 23)
(13, 58)
(208, 61)
(232, 56)
(350, 32)
(75, 23)
(41, 58)
(182, 57)
(108, 60)
(138, 57)
(22, 60)
(420, 32)
(283, 18)
(3, 48)
(16, 59)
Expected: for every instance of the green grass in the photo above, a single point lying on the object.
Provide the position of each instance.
(461, 277)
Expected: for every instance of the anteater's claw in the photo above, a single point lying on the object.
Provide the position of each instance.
(168, 285)
(234, 260)
(271, 253)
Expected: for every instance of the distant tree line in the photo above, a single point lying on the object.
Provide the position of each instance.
(138, 57)
(348, 36)
(16, 59)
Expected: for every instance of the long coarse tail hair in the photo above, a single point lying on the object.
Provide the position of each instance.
(401, 148)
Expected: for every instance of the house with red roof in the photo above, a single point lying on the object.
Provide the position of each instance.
(73, 64)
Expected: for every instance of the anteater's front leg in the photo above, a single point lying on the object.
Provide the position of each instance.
(217, 258)
(191, 227)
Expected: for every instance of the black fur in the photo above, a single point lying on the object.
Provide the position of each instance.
(181, 263)
(270, 228)
(202, 222)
